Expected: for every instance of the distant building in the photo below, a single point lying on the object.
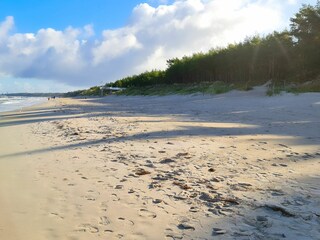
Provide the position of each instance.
(109, 89)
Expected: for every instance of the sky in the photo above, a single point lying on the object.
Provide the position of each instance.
(64, 45)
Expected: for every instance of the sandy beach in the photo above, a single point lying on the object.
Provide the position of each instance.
(240, 165)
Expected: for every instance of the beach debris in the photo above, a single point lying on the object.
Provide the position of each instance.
(157, 201)
(185, 226)
(154, 185)
(211, 170)
(218, 231)
(160, 177)
(141, 171)
(167, 161)
(208, 198)
(182, 154)
(181, 185)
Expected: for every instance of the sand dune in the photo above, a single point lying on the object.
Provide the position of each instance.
(231, 166)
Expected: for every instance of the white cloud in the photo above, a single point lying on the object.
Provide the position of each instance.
(6, 26)
(292, 2)
(115, 44)
(153, 35)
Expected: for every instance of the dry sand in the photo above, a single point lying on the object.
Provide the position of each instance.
(232, 166)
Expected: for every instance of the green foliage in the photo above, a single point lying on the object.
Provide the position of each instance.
(252, 62)
(181, 89)
(305, 28)
(74, 93)
(144, 79)
(94, 91)
(310, 86)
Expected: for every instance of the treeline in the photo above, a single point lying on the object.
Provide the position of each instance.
(144, 79)
(288, 56)
(93, 91)
(32, 94)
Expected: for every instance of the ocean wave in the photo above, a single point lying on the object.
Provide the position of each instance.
(14, 103)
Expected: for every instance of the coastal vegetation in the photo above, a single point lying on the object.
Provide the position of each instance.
(32, 94)
(93, 91)
(289, 60)
(167, 89)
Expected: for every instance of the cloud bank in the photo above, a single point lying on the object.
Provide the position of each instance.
(81, 57)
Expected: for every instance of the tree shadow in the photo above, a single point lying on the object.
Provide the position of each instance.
(267, 116)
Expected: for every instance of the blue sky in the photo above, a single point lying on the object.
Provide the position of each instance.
(57, 45)
(32, 15)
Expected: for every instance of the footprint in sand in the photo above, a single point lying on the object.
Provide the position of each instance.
(104, 206)
(173, 236)
(87, 227)
(104, 220)
(115, 197)
(89, 198)
(58, 215)
(146, 213)
(124, 223)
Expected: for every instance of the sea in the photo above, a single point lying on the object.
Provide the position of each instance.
(17, 103)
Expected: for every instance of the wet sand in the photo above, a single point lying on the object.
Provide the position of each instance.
(235, 166)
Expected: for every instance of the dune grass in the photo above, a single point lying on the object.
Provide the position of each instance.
(181, 89)
(311, 86)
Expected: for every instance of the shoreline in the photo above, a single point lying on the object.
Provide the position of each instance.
(231, 165)
(16, 106)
